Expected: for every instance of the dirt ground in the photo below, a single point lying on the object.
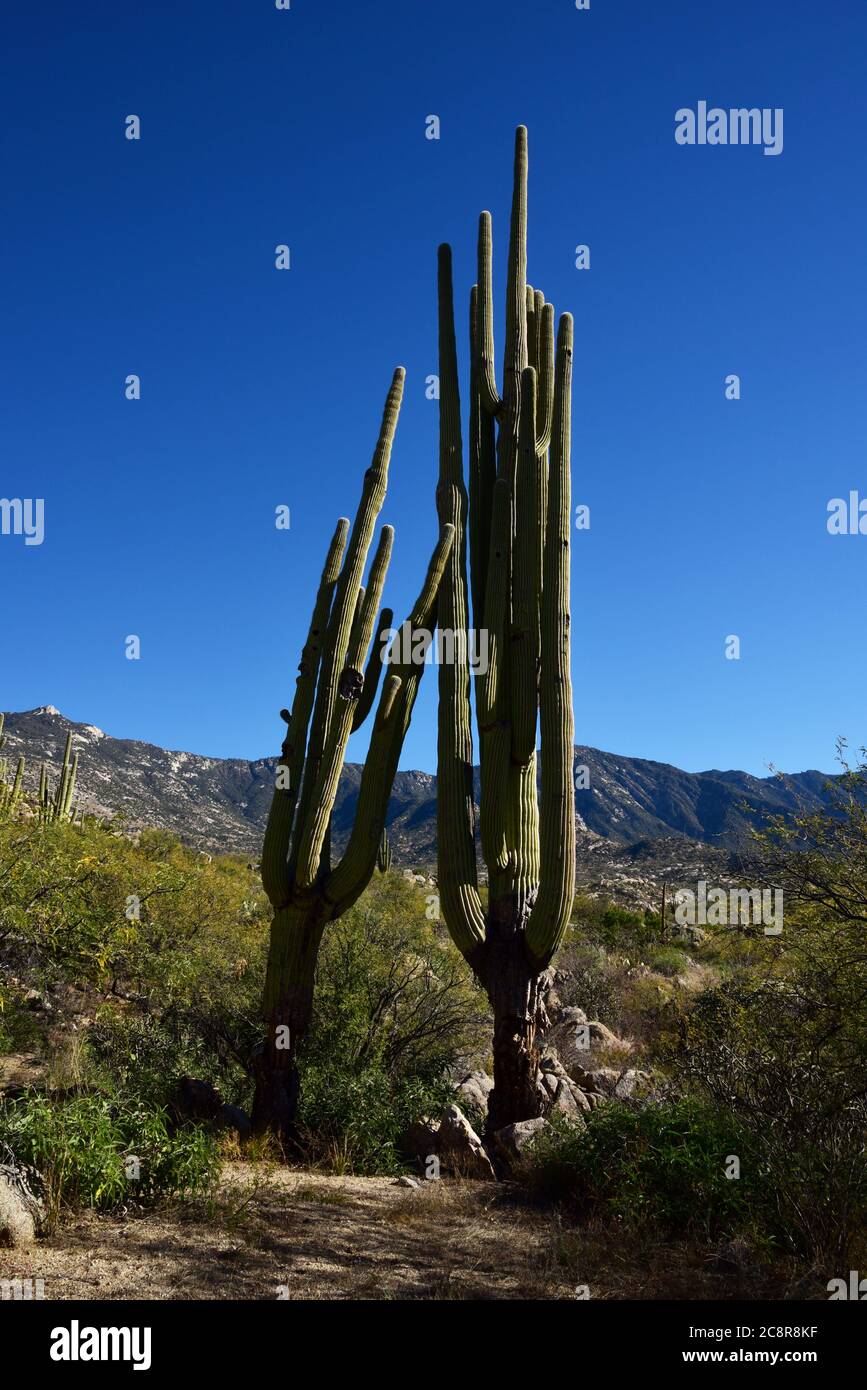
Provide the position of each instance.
(273, 1232)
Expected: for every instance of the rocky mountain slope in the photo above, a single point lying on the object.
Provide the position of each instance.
(634, 815)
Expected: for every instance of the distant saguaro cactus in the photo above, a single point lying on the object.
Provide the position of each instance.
(383, 854)
(333, 697)
(60, 806)
(519, 537)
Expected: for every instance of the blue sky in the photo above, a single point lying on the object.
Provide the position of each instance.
(260, 387)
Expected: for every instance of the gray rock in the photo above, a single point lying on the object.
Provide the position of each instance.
(609, 1081)
(572, 1014)
(21, 1214)
(407, 1181)
(460, 1149)
(511, 1141)
(601, 1036)
(475, 1089)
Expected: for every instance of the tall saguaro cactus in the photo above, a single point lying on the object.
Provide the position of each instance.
(517, 515)
(334, 695)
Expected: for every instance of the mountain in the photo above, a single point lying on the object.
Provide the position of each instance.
(633, 811)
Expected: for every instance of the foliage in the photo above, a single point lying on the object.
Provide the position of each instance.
(80, 1146)
(661, 1164)
(176, 989)
(781, 1042)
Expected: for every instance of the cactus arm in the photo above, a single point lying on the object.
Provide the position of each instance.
(456, 852)
(483, 472)
(545, 393)
(550, 913)
(375, 664)
(348, 880)
(15, 794)
(70, 789)
(491, 696)
(343, 608)
(349, 689)
(485, 344)
(515, 348)
(532, 330)
(275, 868)
(60, 794)
(523, 665)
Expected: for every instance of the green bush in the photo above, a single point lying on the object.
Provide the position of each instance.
(353, 1121)
(81, 1149)
(663, 1165)
(396, 1013)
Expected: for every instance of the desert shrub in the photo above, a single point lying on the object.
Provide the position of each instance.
(396, 1015)
(392, 990)
(781, 1041)
(792, 1074)
(164, 949)
(19, 1026)
(662, 1164)
(81, 1147)
(353, 1119)
(666, 960)
(145, 1054)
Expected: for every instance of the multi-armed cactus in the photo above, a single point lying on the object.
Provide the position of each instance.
(335, 692)
(50, 809)
(519, 534)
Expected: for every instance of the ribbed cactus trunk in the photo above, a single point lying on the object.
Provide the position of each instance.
(517, 516)
(335, 692)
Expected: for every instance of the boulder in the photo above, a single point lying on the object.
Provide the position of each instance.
(201, 1101)
(571, 1014)
(568, 1100)
(195, 1100)
(460, 1149)
(511, 1141)
(421, 1140)
(475, 1089)
(21, 1213)
(609, 1081)
(601, 1036)
(559, 1092)
(233, 1117)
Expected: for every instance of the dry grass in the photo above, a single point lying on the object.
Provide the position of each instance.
(321, 1237)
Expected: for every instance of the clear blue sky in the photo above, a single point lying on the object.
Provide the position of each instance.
(259, 387)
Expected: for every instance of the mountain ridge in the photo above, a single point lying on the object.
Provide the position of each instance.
(221, 804)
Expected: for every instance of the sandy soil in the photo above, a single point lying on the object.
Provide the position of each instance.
(273, 1232)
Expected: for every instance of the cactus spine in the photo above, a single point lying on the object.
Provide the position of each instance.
(517, 517)
(334, 693)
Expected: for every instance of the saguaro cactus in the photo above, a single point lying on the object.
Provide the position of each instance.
(518, 511)
(383, 854)
(50, 809)
(333, 696)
